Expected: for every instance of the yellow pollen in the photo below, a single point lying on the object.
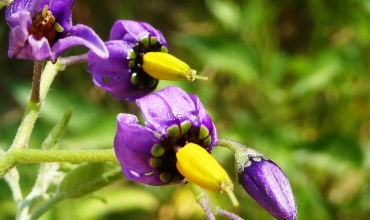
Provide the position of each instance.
(43, 25)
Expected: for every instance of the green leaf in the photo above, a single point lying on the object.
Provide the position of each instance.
(88, 178)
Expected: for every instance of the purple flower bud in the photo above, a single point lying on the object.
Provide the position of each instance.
(43, 30)
(122, 75)
(266, 183)
(147, 154)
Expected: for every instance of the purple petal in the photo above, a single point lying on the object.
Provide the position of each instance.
(31, 6)
(80, 35)
(117, 63)
(133, 144)
(168, 107)
(62, 11)
(204, 119)
(121, 88)
(133, 31)
(266, 183)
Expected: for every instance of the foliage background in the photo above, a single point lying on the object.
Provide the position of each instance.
(288, 78)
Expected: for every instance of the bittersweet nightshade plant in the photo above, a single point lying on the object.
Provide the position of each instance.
(121, 75)
(43, 30)
(147, 154)
(138, 58)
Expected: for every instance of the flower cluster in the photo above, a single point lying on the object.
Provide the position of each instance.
(176, 142)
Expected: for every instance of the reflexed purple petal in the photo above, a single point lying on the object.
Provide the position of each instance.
(121, 88)
(152, 179)
(204, 118)
(266, 183)
(167, 107)
(80, 35)
(134, 136)
(133, 144)
(117, 63)
(133, 31)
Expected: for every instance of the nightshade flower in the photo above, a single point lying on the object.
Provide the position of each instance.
(147, 154)
(42, 30)
(138, 58)
(266, 183)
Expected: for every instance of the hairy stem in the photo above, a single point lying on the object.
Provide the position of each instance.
(37, 70)
(33, 108)
(12, 158)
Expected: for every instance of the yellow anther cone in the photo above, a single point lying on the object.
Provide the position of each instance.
(165, 66)
(200, 168)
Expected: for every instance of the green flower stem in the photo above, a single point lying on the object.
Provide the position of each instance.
(231, 144)
(210, 209)
(67, 61)
(203, 200)
(241, 152)
(33, 108)
(12, 158)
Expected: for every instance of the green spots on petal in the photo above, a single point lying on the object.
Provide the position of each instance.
(131, 64)
(152, 82)
(173, 130)
(177, 179)
(257, 159)
(164, 49)
(145, 41)
(155, 162)
(135, 78)
(248, 163)
(132, 55)
(185, 126)
(157, 150)
(204, 132)
(141, 84)
(153, 40)
(207, 141)
(165, 177)
(148, 173)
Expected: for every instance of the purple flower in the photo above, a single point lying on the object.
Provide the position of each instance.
(43, 30)
(147, 154)
(122, 75)
(266, 183)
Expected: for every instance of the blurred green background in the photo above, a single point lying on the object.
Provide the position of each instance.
(288, 78)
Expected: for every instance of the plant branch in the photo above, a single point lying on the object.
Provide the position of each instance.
(12, 158)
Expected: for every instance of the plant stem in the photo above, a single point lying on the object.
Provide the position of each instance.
(67, 61)
(37, 70)
(12, 158)
(33, 108)
(229, 215)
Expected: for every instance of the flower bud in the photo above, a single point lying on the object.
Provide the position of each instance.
(161, 65)
(266, 183)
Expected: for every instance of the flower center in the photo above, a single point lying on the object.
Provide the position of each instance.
(178, 136)
(44, 25)
(139, 77)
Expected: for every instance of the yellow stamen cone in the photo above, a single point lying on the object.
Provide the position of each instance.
(164, 66)
(200, 168)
